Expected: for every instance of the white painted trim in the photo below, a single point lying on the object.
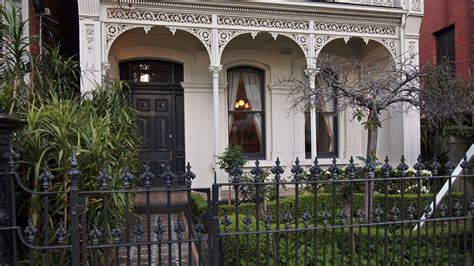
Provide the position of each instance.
(442, 192)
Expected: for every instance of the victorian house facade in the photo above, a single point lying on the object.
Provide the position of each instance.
(202, 75)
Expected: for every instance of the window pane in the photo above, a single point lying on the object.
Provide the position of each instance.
(245, 90)
(246, 116)
(307, 134)
(151, 71)
(445, 45)
(246, 131)
(326, 133)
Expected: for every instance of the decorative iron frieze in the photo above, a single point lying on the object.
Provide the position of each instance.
(267, 23)
(225, 36)
(158, 16)
(354, 28)
(300, 38)
(204, 35)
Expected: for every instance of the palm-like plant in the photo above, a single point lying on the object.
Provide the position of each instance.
(15, 63)
(100, 126)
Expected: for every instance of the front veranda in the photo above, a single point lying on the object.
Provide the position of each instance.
(171, 87)
(323, 221)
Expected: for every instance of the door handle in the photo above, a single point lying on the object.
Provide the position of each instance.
(170, 154)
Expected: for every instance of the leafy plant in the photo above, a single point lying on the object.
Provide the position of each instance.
(233, 156)
(14, 91)
(463, 132)
(100, 126)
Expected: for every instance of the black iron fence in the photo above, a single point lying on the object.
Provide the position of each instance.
(366, 214)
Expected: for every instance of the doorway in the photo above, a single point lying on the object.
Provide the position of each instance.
(157, 95)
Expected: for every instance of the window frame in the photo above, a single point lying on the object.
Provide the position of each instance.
(444, 35)
(261, 155)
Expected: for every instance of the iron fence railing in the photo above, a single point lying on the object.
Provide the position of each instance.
(365, 213)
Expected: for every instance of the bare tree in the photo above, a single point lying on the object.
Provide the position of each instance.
(370, 89)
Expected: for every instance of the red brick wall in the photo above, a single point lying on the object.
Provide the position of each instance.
(62, 26)
(440, 14)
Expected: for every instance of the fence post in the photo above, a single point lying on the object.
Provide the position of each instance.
(8, 241)
(215, 251)
(75, 211)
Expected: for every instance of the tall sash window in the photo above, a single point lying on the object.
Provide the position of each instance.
(246, 110)
(326, 129)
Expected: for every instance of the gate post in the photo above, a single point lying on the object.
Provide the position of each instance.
(215, 252)
(75, 211)
(8, 239)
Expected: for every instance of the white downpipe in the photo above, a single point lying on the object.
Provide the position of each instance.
(446, 185)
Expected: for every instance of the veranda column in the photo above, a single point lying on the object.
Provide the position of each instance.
(215, 70)
(311, 73)
(90, 44)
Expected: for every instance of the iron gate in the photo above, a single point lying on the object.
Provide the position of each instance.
(310, 216)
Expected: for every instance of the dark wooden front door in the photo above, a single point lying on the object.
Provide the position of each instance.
(158, 96)
(161, 123)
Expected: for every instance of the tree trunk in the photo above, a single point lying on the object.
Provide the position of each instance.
(372, 135)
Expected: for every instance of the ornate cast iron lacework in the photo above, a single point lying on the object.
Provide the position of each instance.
(262, 23)
(301, 39)
(225, 36)
(145, 15)
(352, 28)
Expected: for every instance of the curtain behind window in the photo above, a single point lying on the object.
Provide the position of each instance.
(233, 78)
(252, 89)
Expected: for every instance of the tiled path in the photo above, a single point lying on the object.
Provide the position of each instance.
(156, 250)
(158, 210)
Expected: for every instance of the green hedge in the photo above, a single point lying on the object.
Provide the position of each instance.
(325, 201)
(377, 247)
(248, 242)
(199, 205)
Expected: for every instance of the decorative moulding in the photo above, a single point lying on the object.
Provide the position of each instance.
(89, 17)
(416, 5)
(89, 35)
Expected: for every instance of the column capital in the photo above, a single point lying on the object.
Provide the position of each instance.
(215, 68)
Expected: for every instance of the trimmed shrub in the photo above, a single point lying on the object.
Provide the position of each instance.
(385, 248)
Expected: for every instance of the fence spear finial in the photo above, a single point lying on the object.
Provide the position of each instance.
(73, 171)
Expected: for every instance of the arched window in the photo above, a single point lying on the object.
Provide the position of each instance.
(246, 110)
